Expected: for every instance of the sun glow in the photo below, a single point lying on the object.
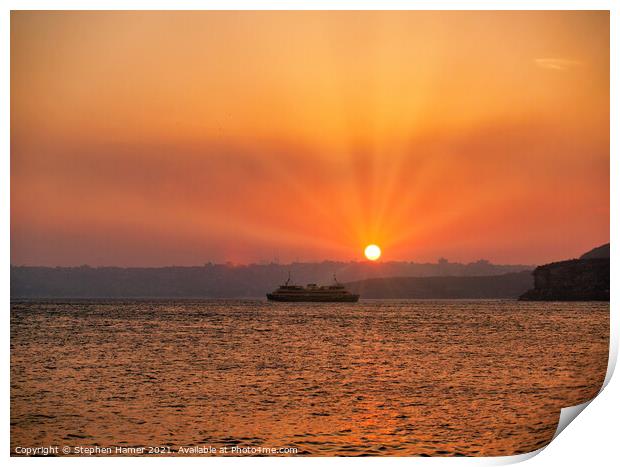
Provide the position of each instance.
(372, 252)
(375, 136)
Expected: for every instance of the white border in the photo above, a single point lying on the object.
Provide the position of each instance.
(591, 440)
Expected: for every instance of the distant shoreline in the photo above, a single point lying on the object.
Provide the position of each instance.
(502, 286)
(225, 281)
(583, 279)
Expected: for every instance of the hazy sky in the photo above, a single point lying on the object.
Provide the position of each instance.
(142, 138)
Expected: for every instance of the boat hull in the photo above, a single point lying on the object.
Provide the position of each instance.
(312, 298)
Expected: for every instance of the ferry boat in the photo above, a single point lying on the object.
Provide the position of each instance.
(312, 293)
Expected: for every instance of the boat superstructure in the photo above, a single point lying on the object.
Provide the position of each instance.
(312, 293)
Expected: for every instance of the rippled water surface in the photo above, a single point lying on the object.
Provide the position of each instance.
(373, 378)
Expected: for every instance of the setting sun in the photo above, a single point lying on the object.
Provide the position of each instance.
(372, 252)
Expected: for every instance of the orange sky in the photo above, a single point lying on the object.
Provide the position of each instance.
(159, 138)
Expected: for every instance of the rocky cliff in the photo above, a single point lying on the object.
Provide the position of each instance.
(581, 279)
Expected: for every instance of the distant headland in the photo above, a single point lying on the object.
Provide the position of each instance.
(232, 281)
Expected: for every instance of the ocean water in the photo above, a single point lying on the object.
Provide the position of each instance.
(404, 378)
